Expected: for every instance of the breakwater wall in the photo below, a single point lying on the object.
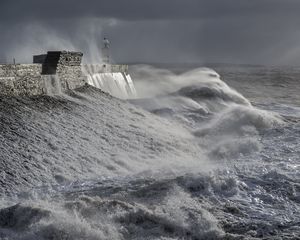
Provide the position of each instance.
(59, 71)
(21, 79)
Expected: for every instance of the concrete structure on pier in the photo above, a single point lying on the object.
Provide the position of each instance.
(52, 73)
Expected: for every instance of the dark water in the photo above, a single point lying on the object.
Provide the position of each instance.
(191, 159)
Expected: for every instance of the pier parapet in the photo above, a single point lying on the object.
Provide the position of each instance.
(56, 69)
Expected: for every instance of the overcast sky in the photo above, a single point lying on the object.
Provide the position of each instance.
(223, 31)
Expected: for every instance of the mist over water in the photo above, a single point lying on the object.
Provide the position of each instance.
(35, 37)
(189, 157)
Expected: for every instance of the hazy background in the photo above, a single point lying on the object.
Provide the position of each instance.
(201, 31)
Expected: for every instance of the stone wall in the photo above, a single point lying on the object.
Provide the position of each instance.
(69, 70)
(56, 69)
(21, 79)
(71, 77)
(34, 79)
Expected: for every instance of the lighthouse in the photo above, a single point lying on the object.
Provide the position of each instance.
(105, 51)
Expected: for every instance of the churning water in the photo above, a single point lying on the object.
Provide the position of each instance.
(52, 85)
(117, 84)
(194, 156)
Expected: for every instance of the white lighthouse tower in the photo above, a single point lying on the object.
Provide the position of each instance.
(105, 51)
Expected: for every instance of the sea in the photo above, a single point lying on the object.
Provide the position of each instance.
(198, 153)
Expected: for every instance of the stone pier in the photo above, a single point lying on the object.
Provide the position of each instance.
(33, 79)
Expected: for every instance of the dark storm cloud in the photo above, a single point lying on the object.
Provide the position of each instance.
(242, 31)
(143, 9)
